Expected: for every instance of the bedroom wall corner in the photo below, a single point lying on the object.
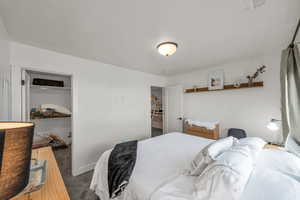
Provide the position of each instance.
(249, 109)
(110, 104)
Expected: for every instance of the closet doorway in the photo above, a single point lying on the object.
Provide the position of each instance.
(47, 101)
(157, 111)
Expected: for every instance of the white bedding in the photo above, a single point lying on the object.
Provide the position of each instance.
(158, 160)
(275, 177)
(162, 161)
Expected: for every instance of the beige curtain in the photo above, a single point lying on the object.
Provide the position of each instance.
(290, 91)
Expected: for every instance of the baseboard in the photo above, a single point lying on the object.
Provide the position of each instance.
(83, 169)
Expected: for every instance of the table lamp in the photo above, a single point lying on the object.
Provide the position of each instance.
(15, 156)
(274, 125)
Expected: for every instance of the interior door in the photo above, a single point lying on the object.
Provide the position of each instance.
(174, 108)
(25, 93)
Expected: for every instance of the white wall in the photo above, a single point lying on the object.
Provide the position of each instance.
(249, 109)
(4, 73)
(4, 48)
(110, 104)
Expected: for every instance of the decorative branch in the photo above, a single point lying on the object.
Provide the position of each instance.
(259, 71)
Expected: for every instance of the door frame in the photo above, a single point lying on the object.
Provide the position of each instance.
(17, 71)
(166, 95)
(25, 95)
(165, 106)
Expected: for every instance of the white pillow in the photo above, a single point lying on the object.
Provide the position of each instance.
(209, 154)
(292, 145)
(227, 177)
(254, 143)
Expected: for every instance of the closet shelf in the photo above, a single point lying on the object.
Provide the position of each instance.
(226, 87)
(42, 87)
(47, 115)
(50, 117)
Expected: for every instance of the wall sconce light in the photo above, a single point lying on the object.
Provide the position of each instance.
(274, 125)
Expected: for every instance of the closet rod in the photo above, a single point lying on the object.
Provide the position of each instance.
(295, 34)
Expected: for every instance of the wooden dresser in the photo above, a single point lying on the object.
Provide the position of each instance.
(54, 189)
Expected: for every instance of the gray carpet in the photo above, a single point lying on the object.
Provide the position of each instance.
(156, 132)
(77, 186)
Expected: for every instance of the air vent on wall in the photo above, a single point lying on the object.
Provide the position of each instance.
(46, 82)
(253, 4)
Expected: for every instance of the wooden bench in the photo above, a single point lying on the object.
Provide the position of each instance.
(202, 131)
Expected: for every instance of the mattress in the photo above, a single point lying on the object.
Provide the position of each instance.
(162, 162)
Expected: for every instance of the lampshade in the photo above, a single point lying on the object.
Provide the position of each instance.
(273, 125)
(15, 155)
(167, 48)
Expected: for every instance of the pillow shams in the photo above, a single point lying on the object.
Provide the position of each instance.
(253, 142)
(209, 154)
(227, 176)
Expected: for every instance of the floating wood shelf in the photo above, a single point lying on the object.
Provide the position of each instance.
(37, 116)
(226, 87)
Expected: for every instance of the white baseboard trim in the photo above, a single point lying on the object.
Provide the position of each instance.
(83, 169)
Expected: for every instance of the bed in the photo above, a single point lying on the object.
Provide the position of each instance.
(162, 162)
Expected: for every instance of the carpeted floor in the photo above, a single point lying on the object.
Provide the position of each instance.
(77, 186)
(156, 132)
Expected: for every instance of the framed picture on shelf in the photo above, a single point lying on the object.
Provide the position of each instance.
(216, 80)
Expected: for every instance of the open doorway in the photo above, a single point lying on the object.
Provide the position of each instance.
(157, 112)
(47, 101)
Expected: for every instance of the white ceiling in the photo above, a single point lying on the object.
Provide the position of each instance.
(126, 32)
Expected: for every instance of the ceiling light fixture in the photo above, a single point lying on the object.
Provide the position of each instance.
(167, 48)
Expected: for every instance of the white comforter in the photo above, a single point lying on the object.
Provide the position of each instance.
(159, 173)
(158, 160)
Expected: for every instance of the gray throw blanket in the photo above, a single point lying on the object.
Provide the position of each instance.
(120, 166)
